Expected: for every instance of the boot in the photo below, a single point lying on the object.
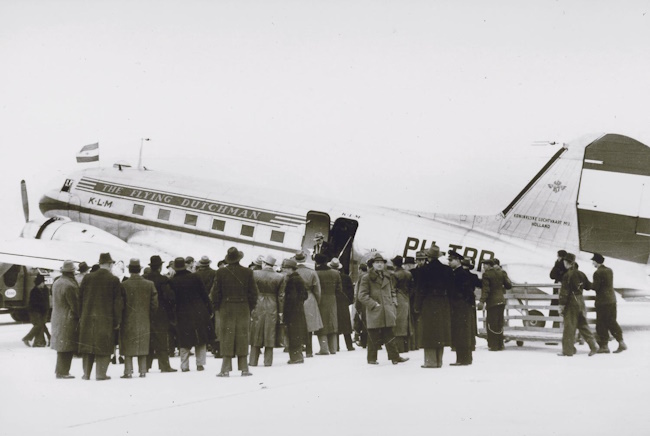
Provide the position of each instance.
(621, 347)
(604, 349)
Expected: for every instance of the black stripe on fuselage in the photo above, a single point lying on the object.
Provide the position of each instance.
(56, 205)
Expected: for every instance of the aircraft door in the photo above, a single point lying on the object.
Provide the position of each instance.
(340, 241)
(316, 222)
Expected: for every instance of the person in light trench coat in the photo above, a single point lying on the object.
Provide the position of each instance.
(312, 312)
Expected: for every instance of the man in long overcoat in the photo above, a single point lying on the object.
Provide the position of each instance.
(234, 295)
(432, 304)
(403, 283)
(100, 299)
(193, 312)
(140, 301)
(605, 304)
(65, 319)
(420, 261)
(207, 276)
(264, 321)
(377, 296)
(343, 301)
(495, 283)
(162, 317)
(312, 312)
(293, 311)
(461, 302)
(330, 285)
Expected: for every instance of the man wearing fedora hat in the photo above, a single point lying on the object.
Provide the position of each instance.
(293, 312)
(461, 303)
(207, 275)
(403, 284)
(572, 308)
(330, 285)
(140, 301)
(101, 302)
(234, 295)
(162, 317)
(321, 246)
(419, 262)
(343, 301)
(605, 303)
(65, 317)
(312, 312)
(264, 319)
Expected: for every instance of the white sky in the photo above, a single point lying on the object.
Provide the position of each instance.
(422, 105)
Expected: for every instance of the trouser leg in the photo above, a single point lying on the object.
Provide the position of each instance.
(322, 342)
(612, 324)
(602, 330)
(242, 363)
(309, 345)
(439, 353)
(495, 321)
(185, 359)
(348, 341)
(87, 361)
(63, 362)
(268, 356)
(201, 353)
(128, 365)
(226, 364)
(374, 340)
(569, 331)
(102, 365)
(585, 331)
(555, 302)
(163, 361)
(332, 342)
(430, 358)
(391, 343)
(142, 364)
(254, 356)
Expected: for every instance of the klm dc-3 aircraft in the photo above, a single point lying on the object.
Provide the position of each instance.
(593, 195)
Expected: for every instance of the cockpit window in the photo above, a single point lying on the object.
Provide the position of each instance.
(67, 185)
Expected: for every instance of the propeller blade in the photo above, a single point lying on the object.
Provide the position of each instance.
(23, 193)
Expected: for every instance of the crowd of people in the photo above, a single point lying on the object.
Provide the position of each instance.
(246, 312)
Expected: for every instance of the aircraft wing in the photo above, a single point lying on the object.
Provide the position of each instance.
(50, 254)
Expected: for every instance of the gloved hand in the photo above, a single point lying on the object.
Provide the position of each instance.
(480, 305)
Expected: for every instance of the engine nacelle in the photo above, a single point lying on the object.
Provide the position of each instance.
(64, 229)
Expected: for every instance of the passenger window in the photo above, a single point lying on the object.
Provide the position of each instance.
(190, 219)
(277, 236)
(218, 225)
(247, 230)
(138, 209)
(163, 214)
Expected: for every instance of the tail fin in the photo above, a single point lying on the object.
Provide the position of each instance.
(593, 195)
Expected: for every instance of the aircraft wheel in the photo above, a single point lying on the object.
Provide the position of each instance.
(20, 315)
(535, 323)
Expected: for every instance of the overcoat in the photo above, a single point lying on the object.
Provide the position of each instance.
(65, 314)
(343, 301)
(193, 309)
(312, 284)
(234, 295)
(402, 282)
(264, 318)
(165, 313)
(140, 300)
(378, 298)
(463, 314)
(293, 312)
(100, 299)
(432, 303)
(207, 276)
(330, 285)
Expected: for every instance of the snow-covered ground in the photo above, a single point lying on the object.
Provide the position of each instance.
(522, 391)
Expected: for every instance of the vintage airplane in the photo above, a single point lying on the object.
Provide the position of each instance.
(593, 195)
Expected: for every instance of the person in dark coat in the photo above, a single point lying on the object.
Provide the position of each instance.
(330, 285)
(403, 283)
(312, 312)
(207, 276)
(38, 306)
(495, 282)
(557, 272)
(193, 312)
(380, 302)
(321, 247)
(462, 305)
(140, 301)
(420, 261)
(572, 308)
(468, 265)
(433, 281)
(65, 318)
(293, 313)
(605, 304)
(343, 301)
(100, 299)
(264, 318)
(234, 295)
(360, 329)
(162, 317)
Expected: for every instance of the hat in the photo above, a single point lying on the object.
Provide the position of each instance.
(105, 258)
(334, 263)
(40, 278)
(320, 258)
(233, 255)
(318, 236)
(467, 262)
(496, 261)
(270, 260)
(455, 255)
(598, 258)
(408, 260)
(397, 260)
(83, 267)
(289, 263)
(376, 258)
(134, 263)
(155, 261)
(94, 268)
(259, 260)
(188, 260)
(171, 264)
(433, 252)
(68, 266)
(205, 260)
(570, 257)
(561, 253)
(300, 257)
(421, 255)
(179, 264)
(489, 262)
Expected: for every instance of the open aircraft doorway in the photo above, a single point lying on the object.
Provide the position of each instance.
(340, 241)
(316, 222)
